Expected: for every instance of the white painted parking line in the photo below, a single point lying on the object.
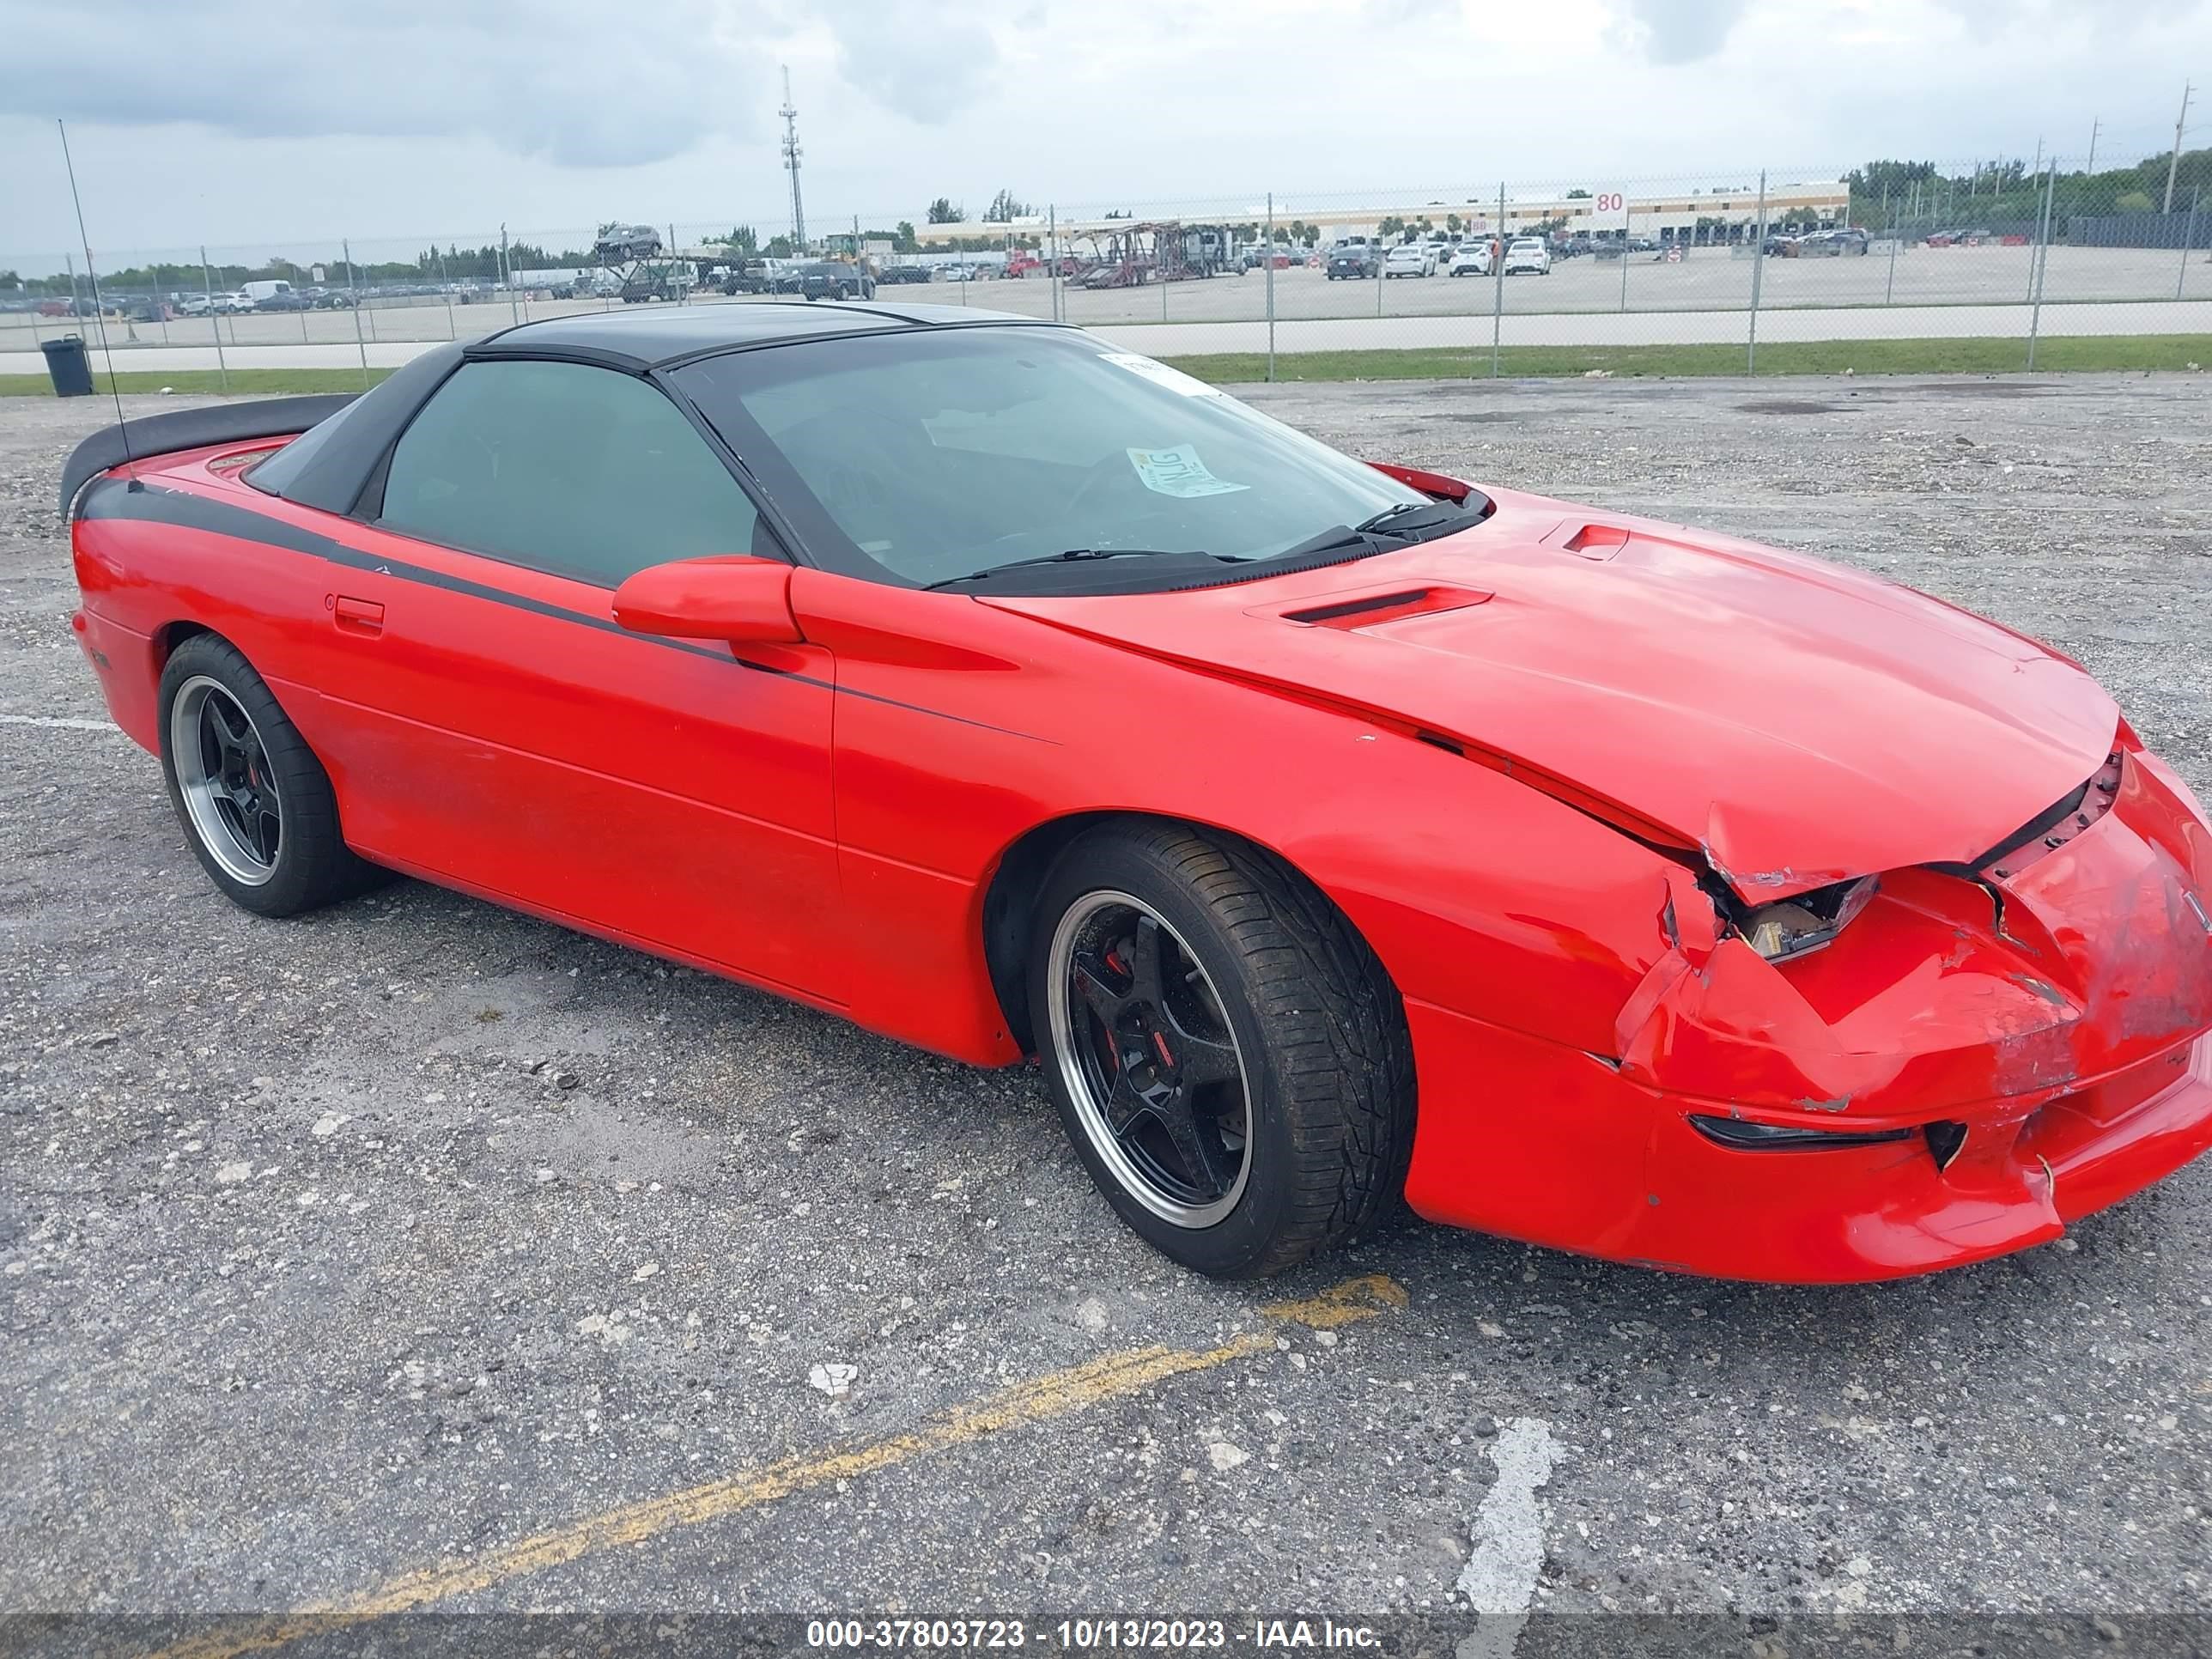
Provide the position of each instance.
(1499, 1579)
(57, 723)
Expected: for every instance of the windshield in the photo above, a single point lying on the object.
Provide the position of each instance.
(934, 454)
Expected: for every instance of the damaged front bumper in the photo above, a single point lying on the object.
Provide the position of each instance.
(1883, 1211)
(1979, 1058)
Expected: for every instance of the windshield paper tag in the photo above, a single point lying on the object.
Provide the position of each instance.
(1178, 472)
(1160, 374)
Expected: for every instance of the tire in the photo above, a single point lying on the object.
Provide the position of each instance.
(1290, 1031)
(292, 858)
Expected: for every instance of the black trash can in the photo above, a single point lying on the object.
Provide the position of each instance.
(67, 366)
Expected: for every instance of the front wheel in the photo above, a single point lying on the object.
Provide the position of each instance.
(1227, 1054)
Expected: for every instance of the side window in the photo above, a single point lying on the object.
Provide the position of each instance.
(581, 471)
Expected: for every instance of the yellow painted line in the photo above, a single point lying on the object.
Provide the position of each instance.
(1039, 1400)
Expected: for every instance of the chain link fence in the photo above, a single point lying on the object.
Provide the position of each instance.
(1478, 278)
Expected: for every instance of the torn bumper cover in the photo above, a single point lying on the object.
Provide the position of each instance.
(1981, 1057)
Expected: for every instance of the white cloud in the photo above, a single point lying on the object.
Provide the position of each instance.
(234, 122)
(927, 67)
(1682, 31)
(557, 79)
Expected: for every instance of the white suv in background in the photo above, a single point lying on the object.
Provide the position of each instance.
(1527, 253)
(1410, 260)
(1471, 259)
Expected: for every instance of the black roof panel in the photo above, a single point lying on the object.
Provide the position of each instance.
(641, 338)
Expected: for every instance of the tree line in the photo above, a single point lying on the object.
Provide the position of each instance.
(1890, 194)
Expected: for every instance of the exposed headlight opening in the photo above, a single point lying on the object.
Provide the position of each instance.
(1792, 927)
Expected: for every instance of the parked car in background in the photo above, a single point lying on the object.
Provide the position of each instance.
(1831, 244)
(830, 279)
(1528, 253)
(617, 244)
(234, 304)
(895, 274)
(1470, 259)
(285, 299)
(1410, 260)
(1353, 261)
(748, 276)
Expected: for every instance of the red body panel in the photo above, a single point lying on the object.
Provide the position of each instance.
(1500, 754)
(1801, 722)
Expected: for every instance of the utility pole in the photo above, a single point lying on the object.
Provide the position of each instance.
(2090, 166)
(2173, 165)
(790, 114)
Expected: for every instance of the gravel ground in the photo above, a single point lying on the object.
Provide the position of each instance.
(344, 1248)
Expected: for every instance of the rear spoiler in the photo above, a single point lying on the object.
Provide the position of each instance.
(150, 435)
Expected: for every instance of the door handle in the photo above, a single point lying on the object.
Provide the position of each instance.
(357, 616)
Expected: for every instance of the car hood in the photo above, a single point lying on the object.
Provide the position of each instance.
(1800, 722)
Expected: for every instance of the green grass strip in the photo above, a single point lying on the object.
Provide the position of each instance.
(245, 382)
(2076, 353)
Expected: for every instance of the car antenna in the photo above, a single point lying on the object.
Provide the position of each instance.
(98, 315)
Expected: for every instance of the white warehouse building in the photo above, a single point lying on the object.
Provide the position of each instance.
(1662, 215)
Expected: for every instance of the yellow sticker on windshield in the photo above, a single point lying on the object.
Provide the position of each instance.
(1178, 472)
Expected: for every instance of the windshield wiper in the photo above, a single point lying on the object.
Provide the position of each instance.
(1077, 554)
(1336, 535)
(1398, 519)
(1391, 526)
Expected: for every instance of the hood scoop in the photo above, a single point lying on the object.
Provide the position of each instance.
(1385, 605)
(1595, 541)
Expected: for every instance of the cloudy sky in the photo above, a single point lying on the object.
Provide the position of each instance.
(252, 125)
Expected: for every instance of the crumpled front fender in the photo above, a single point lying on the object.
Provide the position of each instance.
(1952, 989)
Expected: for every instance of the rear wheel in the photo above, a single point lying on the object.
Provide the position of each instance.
(255, 803)
(1226, 1052)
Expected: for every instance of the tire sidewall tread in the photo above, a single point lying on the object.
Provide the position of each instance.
(314, 866)
(1323, 1033)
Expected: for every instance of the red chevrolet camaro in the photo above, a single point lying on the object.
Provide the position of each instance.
(1328, 830)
